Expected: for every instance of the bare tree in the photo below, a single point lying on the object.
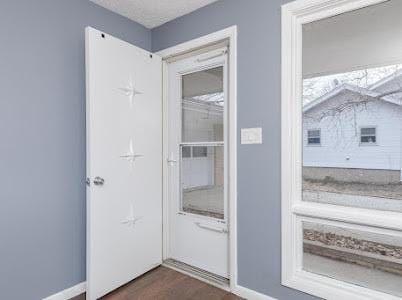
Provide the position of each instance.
(344, 113)
(317, 87)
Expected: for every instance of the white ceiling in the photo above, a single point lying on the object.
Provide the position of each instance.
(152, 13)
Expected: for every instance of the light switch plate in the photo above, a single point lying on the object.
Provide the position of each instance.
(251, 136)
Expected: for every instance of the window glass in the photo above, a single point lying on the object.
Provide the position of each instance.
(200, 151)
(340, 106)
(186, 152)
(202, 173)
(359, 257)
(202, 182)
(368, 135)
(314, 137)
(203, 106)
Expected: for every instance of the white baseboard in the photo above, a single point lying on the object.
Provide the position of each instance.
(250, 294)
(69, 293)
(80, 288)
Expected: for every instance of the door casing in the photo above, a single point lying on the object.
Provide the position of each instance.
(230, 36)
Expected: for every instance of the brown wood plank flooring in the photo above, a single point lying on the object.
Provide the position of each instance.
(166, 284)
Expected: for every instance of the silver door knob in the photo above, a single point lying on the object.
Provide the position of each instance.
(99, 181)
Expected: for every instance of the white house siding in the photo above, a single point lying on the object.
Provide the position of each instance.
(198, 172)
(200, 123)
(340, 134)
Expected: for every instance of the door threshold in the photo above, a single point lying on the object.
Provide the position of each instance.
(205, 276)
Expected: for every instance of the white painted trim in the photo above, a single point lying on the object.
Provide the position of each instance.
(250, 294)
(69, 293)
(294, 15)
(230, 34)
(165, 166)
(212, 38)
(88, 150)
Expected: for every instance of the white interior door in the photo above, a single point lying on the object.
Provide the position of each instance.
(198, 214)
(124, 164)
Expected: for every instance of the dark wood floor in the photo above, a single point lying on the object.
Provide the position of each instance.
(166, 284)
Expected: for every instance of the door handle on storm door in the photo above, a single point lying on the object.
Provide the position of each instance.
(212, 228)
(171, 159)
(99, 181)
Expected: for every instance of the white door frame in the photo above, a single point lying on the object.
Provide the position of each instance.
(229, 34)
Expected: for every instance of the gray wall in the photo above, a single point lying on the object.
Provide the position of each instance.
(42, 148)
(259, 201)
(42, 130)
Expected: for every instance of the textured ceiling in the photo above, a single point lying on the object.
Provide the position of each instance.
(152, 13)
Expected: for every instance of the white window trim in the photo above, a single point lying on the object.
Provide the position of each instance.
(294, 15)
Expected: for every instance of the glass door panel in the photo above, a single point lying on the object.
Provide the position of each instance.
(203, 106)
(202, 179)
(202, 143)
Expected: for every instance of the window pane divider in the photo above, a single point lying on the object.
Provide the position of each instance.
(361, 216)
(202, 144)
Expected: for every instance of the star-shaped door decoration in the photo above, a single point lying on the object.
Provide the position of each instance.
(131, 220)
(131, 156)
(130, 91)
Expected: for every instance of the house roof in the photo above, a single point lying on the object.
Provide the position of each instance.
(385, 80)
(350, 88)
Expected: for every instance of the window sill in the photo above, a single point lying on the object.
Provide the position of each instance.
(328, 288)
(353, 215)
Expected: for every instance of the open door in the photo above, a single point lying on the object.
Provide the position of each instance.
(124, 162)
(198, 198)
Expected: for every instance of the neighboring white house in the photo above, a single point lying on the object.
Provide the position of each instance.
(355, 128)
(202, 163)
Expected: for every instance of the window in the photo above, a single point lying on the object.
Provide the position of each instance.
(314, 137)
(202, 176)
(200, 151)
(368, 135)
(202, 182)
(186, 152)
(194, 151)
(202, 106)
(341, 253)
(341, 204)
